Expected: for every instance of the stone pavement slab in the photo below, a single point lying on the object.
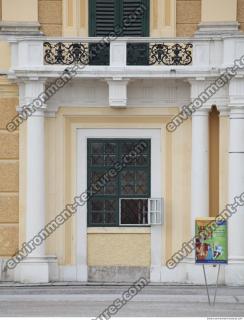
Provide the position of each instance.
(91, 300)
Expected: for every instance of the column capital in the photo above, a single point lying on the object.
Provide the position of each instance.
(202, 112)
(206, 92)
(237, 111)
(236, 93)
(32, 97)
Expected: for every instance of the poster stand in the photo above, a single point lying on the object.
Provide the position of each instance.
(206, 283)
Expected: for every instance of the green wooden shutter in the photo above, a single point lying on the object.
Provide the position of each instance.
(139, 27)
(104, 15)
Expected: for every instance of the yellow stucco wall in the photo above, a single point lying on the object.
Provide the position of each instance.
(119, 249)
(223, 160)
(4, 55)
(50, 17)
(188, 16)
(240, 13)
(0, 9)
(9, 171)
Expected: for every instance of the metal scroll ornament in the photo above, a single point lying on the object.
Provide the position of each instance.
(63, 53)
(171, 54)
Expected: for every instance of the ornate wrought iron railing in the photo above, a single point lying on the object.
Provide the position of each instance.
(70, 53)
(140, 54)
(159, 54)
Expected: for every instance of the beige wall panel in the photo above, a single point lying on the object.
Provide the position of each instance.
(8, 239)
(9, 176)
(162, 18)
(219, 10)
(56, 201)
(50, 181)
(9, 145)
(9, 208)
(7, 110)
(20, 10)
(83, 21)
(75, 18)
(181, 185)
(168, 197)
(188, 15)
(119, 250)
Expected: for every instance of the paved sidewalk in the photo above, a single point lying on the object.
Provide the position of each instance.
(91, 300)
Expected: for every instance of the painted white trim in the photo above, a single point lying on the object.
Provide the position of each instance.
(81, 184)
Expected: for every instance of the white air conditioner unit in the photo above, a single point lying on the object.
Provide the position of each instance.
(140, 211)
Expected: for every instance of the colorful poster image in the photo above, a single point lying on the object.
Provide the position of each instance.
(211, 244)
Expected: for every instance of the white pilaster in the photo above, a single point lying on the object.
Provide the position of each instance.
(35, 267)
(235, 270)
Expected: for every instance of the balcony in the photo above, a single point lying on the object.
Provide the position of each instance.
(125, 57)
(123, 60)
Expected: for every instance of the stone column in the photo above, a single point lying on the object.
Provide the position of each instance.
(200, 156)
(35, 267)
(200, 166)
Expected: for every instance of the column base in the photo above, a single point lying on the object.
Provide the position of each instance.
(155, 274)
(33, 270)
(217, 28)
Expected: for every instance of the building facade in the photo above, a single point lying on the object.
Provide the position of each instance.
(102, 79)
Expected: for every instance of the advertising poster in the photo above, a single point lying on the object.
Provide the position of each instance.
(212, 247)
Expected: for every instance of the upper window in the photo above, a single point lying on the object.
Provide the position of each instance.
(122, 199)
(105, 16)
